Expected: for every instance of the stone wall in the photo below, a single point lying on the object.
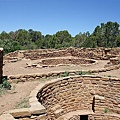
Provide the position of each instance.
(38, 76)
(97, 95)
(92, 53)
(104, 117)
(97, 117)
(1, 64)
(65, 61)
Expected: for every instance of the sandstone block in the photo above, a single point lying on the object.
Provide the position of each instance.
(56, 107)
(20, 112)
(33, 99)
(42, 117)
(23, 79)
(38, 110)
(6, 117)
(58, 112)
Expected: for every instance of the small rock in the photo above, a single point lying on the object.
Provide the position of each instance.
(38, 66)
(32, 117)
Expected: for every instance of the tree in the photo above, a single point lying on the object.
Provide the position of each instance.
(47, 41)
(22, 36)
(106, 34)
(12, 35)
(90, 42)
(35, 35)
(9, 45)
(63, 38)
(4, 35)
(80, 39)
(117, 41)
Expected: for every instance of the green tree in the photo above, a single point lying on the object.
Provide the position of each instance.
(35, 35)
(106, 34)
(9, 45)
(47, 41)
(80, 39)
(90, 42)
(117, 41)
(63, 38)
(4, 35)
(22, 36)
(12, 35)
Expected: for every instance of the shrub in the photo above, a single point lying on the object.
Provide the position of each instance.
(5, 84)
(66, 73)
(81, 73)
(106, 110)
(89, 72)
(84, 73)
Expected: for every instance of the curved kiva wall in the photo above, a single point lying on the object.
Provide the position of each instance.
(66, 61)
(92, 95)
(92, 53)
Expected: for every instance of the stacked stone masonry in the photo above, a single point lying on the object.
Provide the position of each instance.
(96, 117)
(91, 53)
(1, 64)
(65, 61)
(37, 76)
(97, 95)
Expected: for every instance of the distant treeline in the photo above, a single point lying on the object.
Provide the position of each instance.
(105, 35)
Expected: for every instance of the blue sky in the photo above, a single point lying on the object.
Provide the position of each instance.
(51, 16)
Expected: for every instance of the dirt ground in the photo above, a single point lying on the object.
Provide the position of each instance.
(22, 90)
(20, 67)
(15, 97)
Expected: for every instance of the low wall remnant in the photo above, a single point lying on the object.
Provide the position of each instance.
(91, 53)
(1, 64)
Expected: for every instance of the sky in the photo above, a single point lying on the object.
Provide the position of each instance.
(51, 16)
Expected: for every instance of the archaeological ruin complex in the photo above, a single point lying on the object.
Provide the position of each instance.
(75, 96)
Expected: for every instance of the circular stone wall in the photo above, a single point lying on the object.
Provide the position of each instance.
(66, 60)
(88, 94)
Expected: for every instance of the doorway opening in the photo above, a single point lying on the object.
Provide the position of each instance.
(83, 117)
(93, 104)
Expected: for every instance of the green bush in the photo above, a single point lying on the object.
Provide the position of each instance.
(84, 73)
(89, 72)
(106, 110)
(5, 84)
(81, 73)
(66, 73)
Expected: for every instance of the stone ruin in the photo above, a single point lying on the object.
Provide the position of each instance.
(59, 56)
(1, 64)
(81, 98)
(77, 97)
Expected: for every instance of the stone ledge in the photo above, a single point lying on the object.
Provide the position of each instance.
(20, 112)
(6, 116)
(38, 110)
(36, 107)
